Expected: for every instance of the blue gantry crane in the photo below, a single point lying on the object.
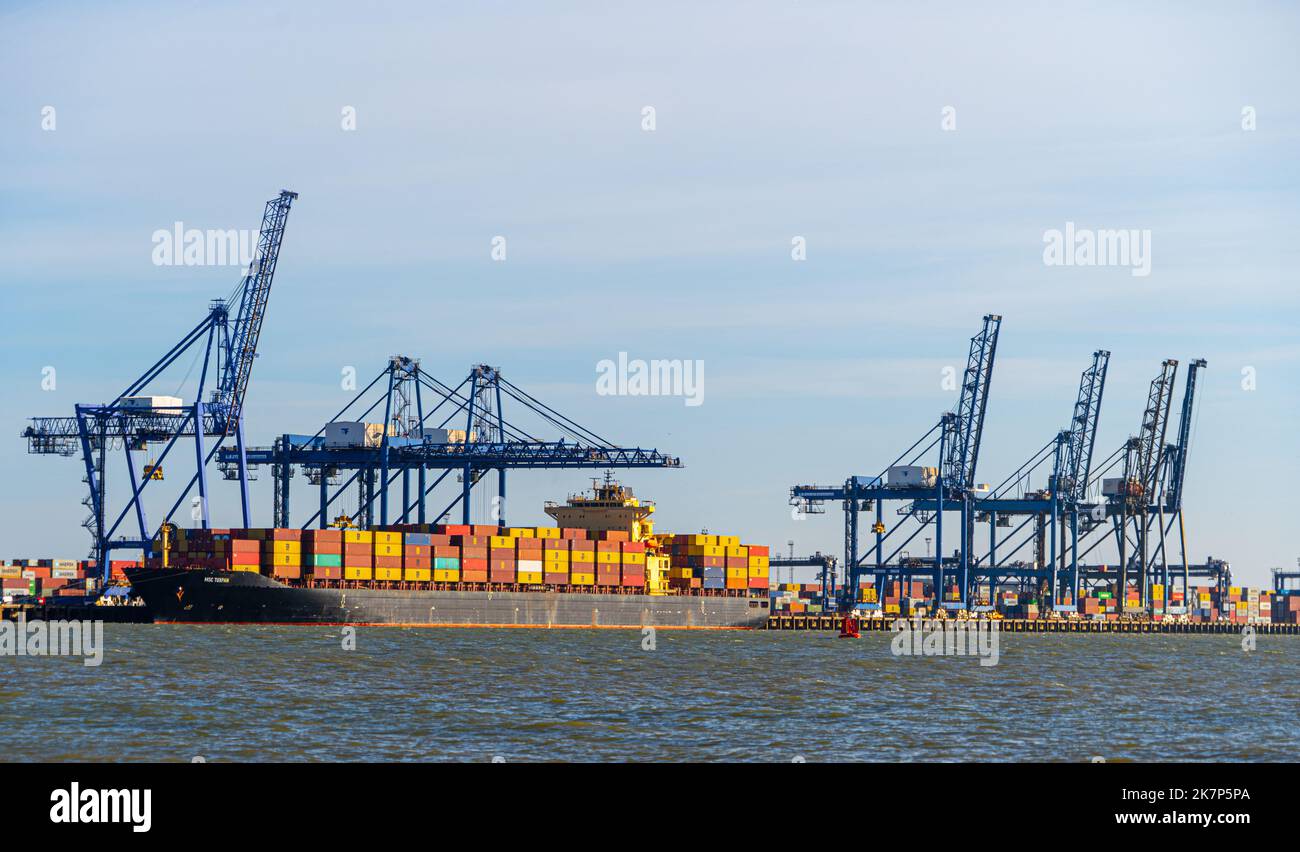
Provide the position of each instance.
(1051, 516)
(928, 492)
(1142, 495)
(418, 443)
(226, 341)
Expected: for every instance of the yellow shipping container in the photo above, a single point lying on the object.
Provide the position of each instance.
(388, 573)
(520, 532)
(502, 541)
(680, 573)
(417, 575)
(633, 558)
(761, 562)
(546, 532)
(737, 550)
(728, 540)
(706, 550)
(556, 556)
(530, 577)
(358, 536)
(388, 538)
(282, 560)
(582, 556)
(757, 571)
(250, 568)
(737, 573)
(577, 579)
(446, 575)
(283, 546)
(891, 608)
(388, 549)
(358, 573)
(701, 539)
(607, 558)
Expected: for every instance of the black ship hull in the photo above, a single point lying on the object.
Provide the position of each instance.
(217, 596)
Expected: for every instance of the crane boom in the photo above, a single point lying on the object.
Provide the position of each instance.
(1178, 454)
(1082, 435)
(968, 420)
(228, 398)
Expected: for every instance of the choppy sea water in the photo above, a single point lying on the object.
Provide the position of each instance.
(241, 693)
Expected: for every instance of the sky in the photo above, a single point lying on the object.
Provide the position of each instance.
(921, 153)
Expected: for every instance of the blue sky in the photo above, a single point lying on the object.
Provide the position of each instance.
(810, 119)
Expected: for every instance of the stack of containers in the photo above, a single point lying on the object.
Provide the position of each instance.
(704, 556)
(609, 557)
(632, 568)
(758, 570)
(322, 554)
(446, 557)
(555, 560)
(736, 562)
(502, 559)
(388, 556)
(473, 556)
(358, 555)
(417, 557)
(582, 562)
(282, 553)
(245, 553)
(528, 558)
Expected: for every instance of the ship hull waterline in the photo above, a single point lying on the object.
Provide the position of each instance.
(214, 596)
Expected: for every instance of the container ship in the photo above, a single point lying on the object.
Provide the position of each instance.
(602, 565)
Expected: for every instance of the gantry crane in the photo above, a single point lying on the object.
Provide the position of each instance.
(1051, 515)
(1147, 495)
(957, 438)
(418, 440)
(226, 339)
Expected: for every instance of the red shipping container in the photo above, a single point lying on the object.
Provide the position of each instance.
(558, 578)
(473, 564)
(758, 582)
(500, 573)
(245, 545)
(485, 530)
(607, 546)
(455, 529)
(473, 576)
(388, 562)
(579, 544)
(758, 550)
(555, 544)
(284, 535)
(439, 540)
(572, 533)
(616, 535)
(287, 572)
(633, 547)
(321, 572)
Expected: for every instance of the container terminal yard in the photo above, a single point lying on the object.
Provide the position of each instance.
(1061, 544)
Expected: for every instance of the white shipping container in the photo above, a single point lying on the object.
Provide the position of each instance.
(911, 476)
(345, 433)
(144, 403)
(435, 436)
(1112, 485)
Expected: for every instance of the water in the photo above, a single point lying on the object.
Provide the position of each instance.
(173, 692)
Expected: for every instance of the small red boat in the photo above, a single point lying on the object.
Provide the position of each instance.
(849, 628)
